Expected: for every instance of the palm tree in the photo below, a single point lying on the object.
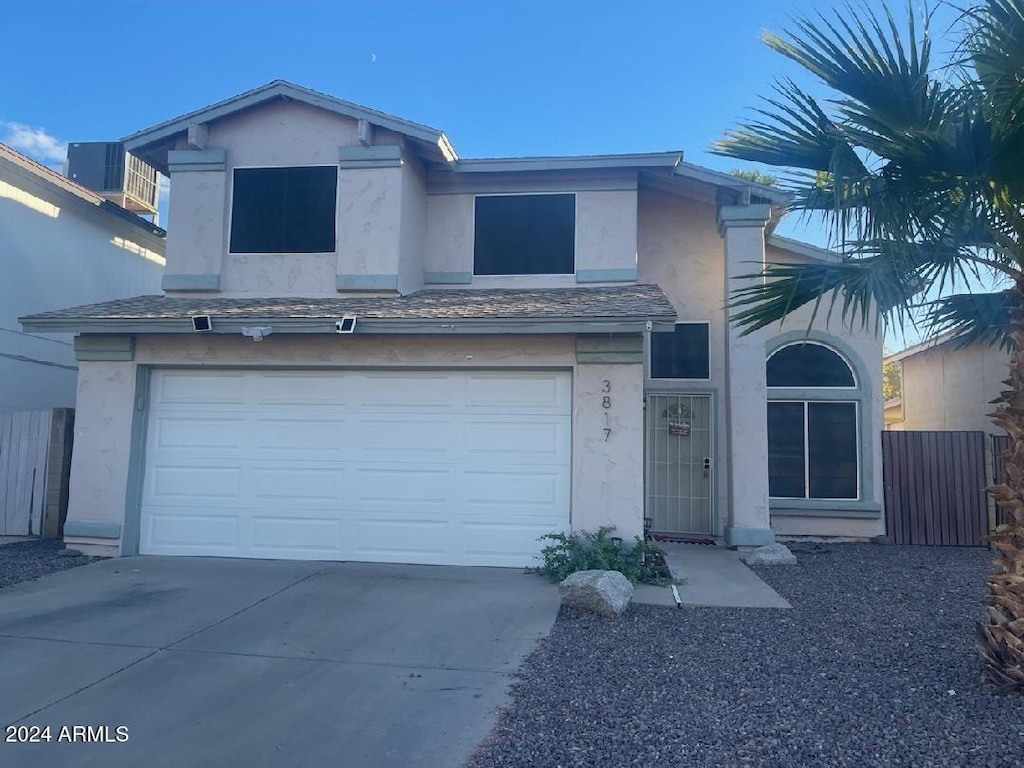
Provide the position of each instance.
(918, 172)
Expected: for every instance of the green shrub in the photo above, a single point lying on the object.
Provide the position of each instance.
(641, 562)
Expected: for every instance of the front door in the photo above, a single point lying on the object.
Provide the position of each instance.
(679, 465)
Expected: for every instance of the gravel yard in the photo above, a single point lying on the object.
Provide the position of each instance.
(26, 560)
(874, 665)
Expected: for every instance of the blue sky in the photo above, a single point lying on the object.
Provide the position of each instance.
(501, 78)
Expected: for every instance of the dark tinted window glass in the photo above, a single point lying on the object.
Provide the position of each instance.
(283, 210)
(808, 365)
(786, 467)
(682, 354)
(525, 235)
(832, 441)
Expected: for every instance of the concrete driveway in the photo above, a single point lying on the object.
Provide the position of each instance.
(264, 663)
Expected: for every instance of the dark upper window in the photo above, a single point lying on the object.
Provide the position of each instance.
(812, 450)
(284, 210)
(808, 365)
(525, 235)
(682, 354)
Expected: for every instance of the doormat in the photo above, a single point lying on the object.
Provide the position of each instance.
(683, 540)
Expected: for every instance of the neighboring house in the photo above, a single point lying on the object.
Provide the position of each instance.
(60, 244)
(371, 349)
(946, 386)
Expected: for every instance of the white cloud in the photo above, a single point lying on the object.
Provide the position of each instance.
(37, 143)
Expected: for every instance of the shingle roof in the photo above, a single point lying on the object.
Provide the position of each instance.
(632, 301)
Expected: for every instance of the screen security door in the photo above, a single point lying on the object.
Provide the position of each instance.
(680, 468)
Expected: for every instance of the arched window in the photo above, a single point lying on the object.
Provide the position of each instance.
(813, 441)
(808, 365)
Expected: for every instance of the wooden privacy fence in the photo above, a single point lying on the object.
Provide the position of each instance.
(934, 487)
(35, 463)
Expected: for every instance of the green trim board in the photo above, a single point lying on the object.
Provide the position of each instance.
(367, 282)
(748, 537)
(627, 275)
(136, 463)
(107, 347)
(447, 278)
(179, 160)
(198, 282)
(416, 327)
(379, 156)
(743, 216)
(862, 394)
(92, 529)
(618, 349)
(443, 183)
(839, 508)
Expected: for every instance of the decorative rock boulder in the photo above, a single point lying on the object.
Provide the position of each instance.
(606, 593)
(772, 554)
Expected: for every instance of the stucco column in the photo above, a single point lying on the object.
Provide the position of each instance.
(608, 435)
(197, 236)
(746, 404)
(99, 463)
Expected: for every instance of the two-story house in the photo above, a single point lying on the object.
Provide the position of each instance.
(369, 348)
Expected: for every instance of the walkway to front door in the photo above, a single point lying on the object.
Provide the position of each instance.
(679, 464)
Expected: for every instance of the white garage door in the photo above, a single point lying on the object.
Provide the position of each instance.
(414, 467)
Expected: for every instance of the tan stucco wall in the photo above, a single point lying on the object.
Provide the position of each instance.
(372, 206)
(369, 222)
(413, 228)
(948, 388)
(197, 218)
(99, 462)
(607, 476)
(606, 233)
(680, 250)
(449, 239)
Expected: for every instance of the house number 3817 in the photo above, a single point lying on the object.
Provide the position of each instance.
(606, 403)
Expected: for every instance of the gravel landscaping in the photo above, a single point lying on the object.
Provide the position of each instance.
(874, 665)
(27, 560)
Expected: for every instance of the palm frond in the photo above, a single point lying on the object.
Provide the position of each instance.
(857, 288)
(973, 317)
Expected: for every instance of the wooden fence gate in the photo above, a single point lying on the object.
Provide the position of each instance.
(934, 487)
(35, 463)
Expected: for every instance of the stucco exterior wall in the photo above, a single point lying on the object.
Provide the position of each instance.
(371, 202)
(197, 220)
(99, 462)
(607, 476)
(608, 471)
(680, 249)
(606, 230)
(606, 236)
(284, 133)
(370, 221)
(58, 251)
(414, 228)
(866, 345)
(948, 388)
(448, 248)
